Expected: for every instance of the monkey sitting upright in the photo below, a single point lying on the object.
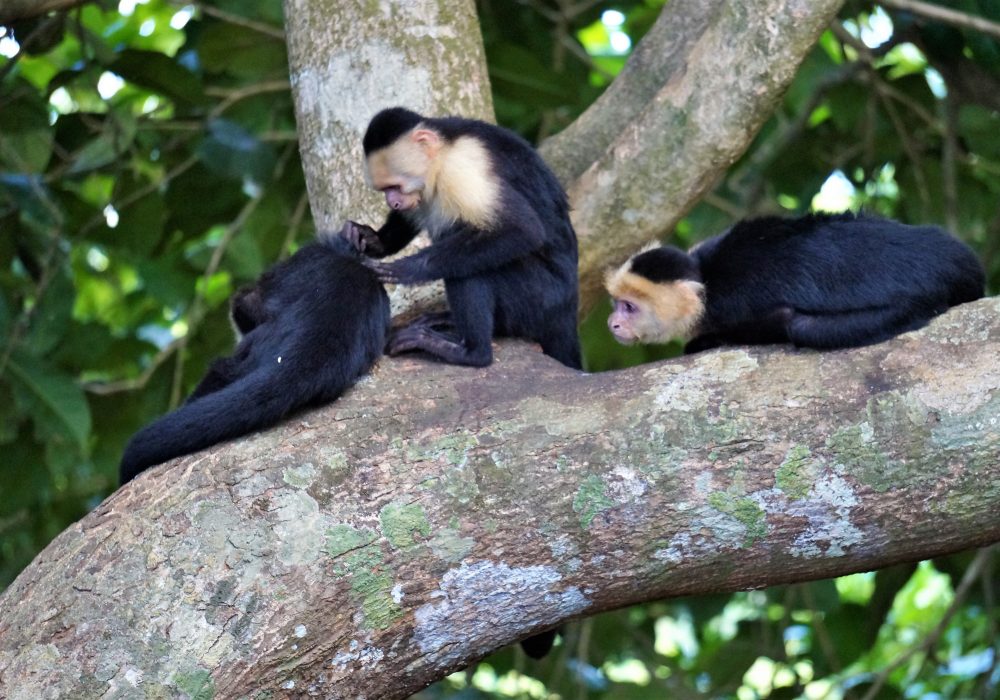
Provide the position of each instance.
(821, 281)
(499, 225)
(308, 328)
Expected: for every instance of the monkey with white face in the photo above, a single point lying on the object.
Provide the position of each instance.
(501, 237)
(822, 281)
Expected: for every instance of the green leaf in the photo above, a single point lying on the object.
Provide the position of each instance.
(32, 197)
(169, 279)
(119, 130)
(218, 199)
(232, 151)
(27, 137)
(242, 52)
(54, 401)
(159, 73)
(52, 314)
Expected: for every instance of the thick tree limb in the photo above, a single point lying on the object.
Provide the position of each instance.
(439, 512)
(711, 96)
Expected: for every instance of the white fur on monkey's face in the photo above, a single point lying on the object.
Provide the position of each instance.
(451, 180)
(401, 170)
(652, 312)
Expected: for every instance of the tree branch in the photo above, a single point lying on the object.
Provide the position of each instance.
(437, 513)
(672, 135)
(945, 14)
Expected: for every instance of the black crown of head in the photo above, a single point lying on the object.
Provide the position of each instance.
(387, 126)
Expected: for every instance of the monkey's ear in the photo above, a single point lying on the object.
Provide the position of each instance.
(427, 139)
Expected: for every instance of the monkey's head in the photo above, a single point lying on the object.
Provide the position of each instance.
(657, 296)
(399, 153)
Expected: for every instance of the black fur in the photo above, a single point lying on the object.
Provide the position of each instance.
(326, 317)
(387, 126)
(516, 278)
(829, 280)
(665, 264)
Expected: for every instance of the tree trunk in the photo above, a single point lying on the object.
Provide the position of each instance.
(437, 513)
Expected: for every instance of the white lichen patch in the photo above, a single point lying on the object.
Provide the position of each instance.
(975, 371)
(205, 643)
(300, 631)
(562, 420)
(490, 601)
(562, 546)
(355, 654)
(299, 526)
(301, 476)
(397, 593)
(251, 487)
(679, 547)
(333, 96)
(830, 531)
(688, 389)
(625, 485)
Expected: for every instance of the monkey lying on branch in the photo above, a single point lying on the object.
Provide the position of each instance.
(308, 328)
(821, 281)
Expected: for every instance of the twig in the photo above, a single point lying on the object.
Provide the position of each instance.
(231, 97)
(262, 27)
(946, 15)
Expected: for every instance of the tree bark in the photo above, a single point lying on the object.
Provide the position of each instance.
(437, 513)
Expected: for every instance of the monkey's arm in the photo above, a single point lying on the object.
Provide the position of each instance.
(395, 233)
(467, 251)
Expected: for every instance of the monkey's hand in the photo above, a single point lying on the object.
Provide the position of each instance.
(364, 238)
(404, 271)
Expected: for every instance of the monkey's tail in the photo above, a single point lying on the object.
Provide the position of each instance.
(251, 403)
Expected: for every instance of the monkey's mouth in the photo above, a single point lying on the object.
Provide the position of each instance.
(625, 339)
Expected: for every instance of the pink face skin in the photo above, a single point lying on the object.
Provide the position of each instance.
(399, 200)
(621, 321)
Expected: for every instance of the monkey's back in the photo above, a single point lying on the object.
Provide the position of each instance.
(328, 315)
(833, 263)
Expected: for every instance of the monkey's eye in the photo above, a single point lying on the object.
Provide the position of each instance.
(629, 307)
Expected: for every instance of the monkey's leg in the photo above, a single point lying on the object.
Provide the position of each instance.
(856, 327)
(436, 320)
(563, 344)
(471, 302)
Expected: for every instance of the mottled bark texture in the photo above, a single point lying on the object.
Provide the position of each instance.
(437, 513)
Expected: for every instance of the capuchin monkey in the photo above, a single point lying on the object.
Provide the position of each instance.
(821, 281)
(308, 328)
(501, 237)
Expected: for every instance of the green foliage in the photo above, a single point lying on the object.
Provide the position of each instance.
(128, 166)
(148, 167)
